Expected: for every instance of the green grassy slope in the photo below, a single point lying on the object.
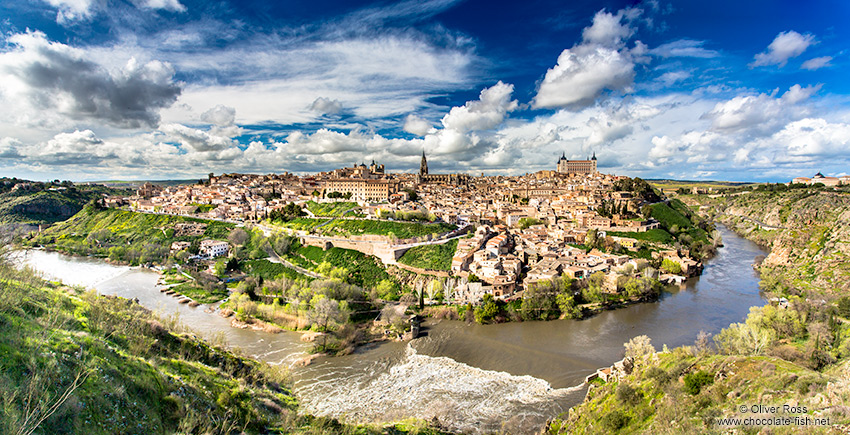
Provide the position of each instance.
(362, 270)
(79, 363)
(665, 395)
(356, 227)
(330, 208)
(810, 253)
(435, 257)
(122, 235)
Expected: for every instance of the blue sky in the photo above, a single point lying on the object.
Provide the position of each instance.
(142, 89)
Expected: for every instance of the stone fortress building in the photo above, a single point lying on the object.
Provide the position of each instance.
(364, 183)
(576, 166)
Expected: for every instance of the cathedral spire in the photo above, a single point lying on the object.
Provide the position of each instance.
(423, 165)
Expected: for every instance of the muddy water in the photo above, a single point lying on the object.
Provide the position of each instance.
(471, 378)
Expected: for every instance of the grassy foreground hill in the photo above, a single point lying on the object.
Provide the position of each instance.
(74, 362)
(793, 355)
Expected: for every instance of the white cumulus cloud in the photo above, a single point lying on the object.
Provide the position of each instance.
(71, 10)
(416, 125)
(759, 112)
(169, 5)
(785, 46)
(485, 113)
(198, 140)
(817, 63)
(220, 115)
(326, 106)
(608, 29)
(598, 63)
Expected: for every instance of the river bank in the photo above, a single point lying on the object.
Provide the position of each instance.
(468, 376)
(791, 351)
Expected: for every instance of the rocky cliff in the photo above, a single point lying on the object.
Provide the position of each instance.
(806, 230)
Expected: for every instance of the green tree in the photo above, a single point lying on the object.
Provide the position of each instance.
(487, 310)
(524, 223)
(220, 267)
(567, 305)
(195, 247)
(238, 236)
(412, 194)
(387, 290)
(539, 301)
(592, 239)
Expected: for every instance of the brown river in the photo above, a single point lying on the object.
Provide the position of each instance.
(472, 378)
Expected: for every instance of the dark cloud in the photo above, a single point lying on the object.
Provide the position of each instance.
(9, 148)
(326, 106)
(55, 77)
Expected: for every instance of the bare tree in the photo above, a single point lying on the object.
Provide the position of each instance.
(238, 236)
(639, 348)
(702, 342)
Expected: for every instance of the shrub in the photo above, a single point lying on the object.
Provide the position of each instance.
(696, 380)
(629, 395)
(844, 306)
(658, 374)
(487, 311)
(639, 347)
(615, 420)
(671, 266)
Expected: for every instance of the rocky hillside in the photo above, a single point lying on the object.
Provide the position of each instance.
(806, 230)
(786, 366)
(30, 202)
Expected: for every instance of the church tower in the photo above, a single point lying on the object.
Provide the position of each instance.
(423, 166)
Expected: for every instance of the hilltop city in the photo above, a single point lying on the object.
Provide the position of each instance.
(572, 221)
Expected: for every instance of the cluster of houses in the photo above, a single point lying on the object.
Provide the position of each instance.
(235, 197)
